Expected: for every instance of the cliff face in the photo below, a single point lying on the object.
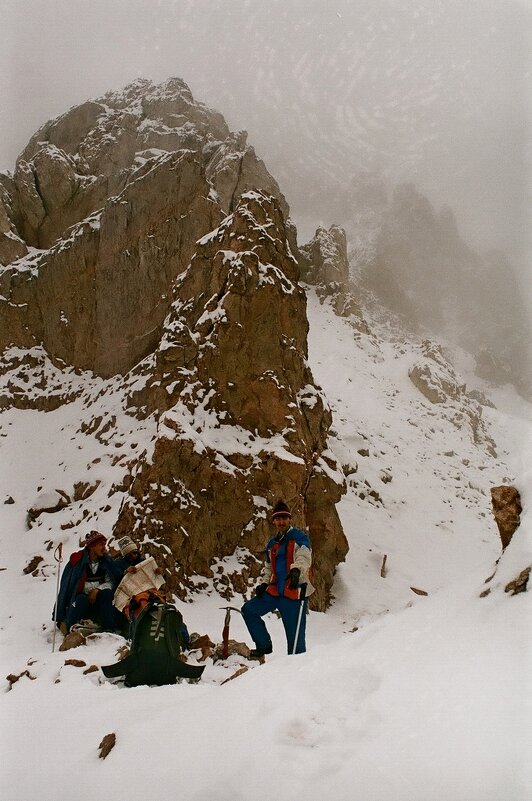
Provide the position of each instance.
(157, 249)
(242, 422)
(114, 194)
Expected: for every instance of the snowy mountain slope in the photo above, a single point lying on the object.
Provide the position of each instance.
(422, 702)
(430, 481)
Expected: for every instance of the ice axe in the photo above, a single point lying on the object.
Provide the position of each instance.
(225, 633)
(58, 556)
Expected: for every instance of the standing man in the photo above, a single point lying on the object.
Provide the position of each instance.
(87, 587)
(285, 580)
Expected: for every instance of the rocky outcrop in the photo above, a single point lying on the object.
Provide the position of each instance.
(435, 377)
(118, 191)
(519, 584)
(11, 245)
(244, 423)
(422, 269)
(506, 503)
(324, 264)
(28, 380)
(324, 259)
(235, 169)
(150, 264)
(75, 162)
(98, 298)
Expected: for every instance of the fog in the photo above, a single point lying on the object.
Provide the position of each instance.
(430, 91)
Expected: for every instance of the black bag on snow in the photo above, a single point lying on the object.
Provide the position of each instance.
(155, 648)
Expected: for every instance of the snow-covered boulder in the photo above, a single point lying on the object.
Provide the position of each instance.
(48, 501)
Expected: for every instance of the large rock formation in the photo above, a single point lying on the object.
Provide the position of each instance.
(324, 264)
(145, 256)
(244, 423)
(324, 259)
(117, 191)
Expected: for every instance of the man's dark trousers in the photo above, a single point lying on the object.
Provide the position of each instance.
(254, 610)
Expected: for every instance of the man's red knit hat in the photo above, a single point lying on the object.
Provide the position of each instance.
(93, 537)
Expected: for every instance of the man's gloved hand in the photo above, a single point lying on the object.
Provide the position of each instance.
(260, 590)
(293, 578)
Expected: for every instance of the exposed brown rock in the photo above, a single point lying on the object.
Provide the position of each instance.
(138, 192)
(98, 299)
(84, 489)
(72, 640)
(232, 367)
(234, 169)
(384, 570)
(28, 380)
(506, 503)
(435, 377)
(75, 662)
(11, 245)
(201, 643)
(418, 591)
(142, 275)
(233, 647)
(12, 678)
(107, 744)
(73, 163)
(324, 260)
(324, 263)
(32, 564)
(520, 584)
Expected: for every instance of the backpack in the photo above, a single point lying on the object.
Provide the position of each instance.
(136, 604)
(155, 649)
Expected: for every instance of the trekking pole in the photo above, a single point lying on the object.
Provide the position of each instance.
(58, 556)
(300, 615)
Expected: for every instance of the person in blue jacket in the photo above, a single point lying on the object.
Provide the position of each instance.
(130, 556)
(285, 586)
(87, 587)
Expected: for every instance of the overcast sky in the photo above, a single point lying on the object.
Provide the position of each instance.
(428, 90)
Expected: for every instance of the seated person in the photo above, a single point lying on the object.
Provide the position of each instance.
(87, 587)
(130, 557)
